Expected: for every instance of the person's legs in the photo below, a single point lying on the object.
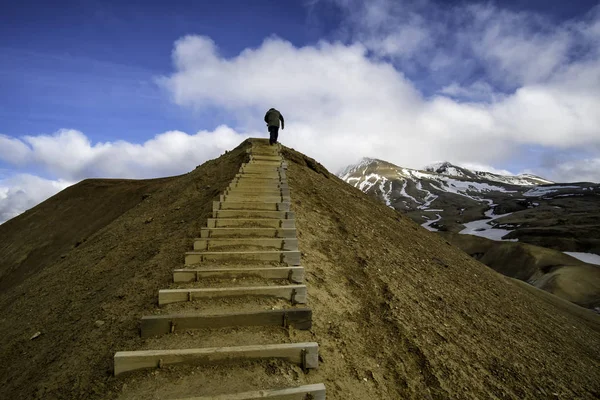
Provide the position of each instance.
(273, 131)
(270, 135)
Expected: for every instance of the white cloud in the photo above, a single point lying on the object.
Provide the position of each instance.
(519, 48)
(502, 80)
(13, 150)
(68, 154)
(341, 105)
(23, 191)
(585, 170)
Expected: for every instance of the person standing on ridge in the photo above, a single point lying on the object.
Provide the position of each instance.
(272, 118)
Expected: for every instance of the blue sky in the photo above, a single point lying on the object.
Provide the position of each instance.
(90, 65)
(86, 82)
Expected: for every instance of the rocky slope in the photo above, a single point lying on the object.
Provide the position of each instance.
(446, 197)
(399, 312)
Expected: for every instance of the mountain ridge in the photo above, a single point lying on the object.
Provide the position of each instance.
(451, 199)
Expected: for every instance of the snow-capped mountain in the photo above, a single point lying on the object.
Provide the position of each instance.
(409, 189)
(444, 196)
(445, 168)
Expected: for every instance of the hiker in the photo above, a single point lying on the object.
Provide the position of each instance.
(272, 118)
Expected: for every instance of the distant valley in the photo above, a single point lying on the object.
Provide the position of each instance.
(528, 209)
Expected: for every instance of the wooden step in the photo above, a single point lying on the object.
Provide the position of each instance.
(258, 181)
(251, 205)
(265, 157)
(254, 214)
(267, 150)
(261, 176)
(259, 185)
(296, 293)
(248, 232)
(261, 171)
(266, 164)
(304, 354)
(312, 392)
(293, 274)
(270, 157)
(254, 197)
(258, 191)
(276, 167)
(288, 257)
(250, 222)
(156, 325)
(270, 184)
(216, 243)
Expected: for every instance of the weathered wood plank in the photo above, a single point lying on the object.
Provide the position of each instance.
(264, 157)
(156, 325)
(257, 184)
(250, 205)
(257, 191)
(288, 257)
(275, 167)
(250, 222)
(296, 293)
(258, 177)
(294, 274)
(262, 167)
(209, 244)
(313, 392)
(247, 232)
(254, 214)
(306, 354)
(254, 197)
(261, 175)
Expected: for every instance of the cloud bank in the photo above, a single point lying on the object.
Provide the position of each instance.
(408, 82)
(538, 85)
(23, 191)
(68, 156)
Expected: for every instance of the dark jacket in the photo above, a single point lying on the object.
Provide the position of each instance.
(272, 118)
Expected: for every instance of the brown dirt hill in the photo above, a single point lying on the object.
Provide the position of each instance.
(546, 269)
(397, 311)
(97, 251)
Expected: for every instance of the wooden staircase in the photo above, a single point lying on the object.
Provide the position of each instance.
(247, 251)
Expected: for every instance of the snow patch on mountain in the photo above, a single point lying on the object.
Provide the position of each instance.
(404, 194)
(546, 190)
(429, 197)
(484, 229)
(448, 169)
(427, 225)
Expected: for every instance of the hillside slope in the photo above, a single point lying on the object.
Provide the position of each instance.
(546, 269)
(418, 318)
(86, 299)
(398, 312)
